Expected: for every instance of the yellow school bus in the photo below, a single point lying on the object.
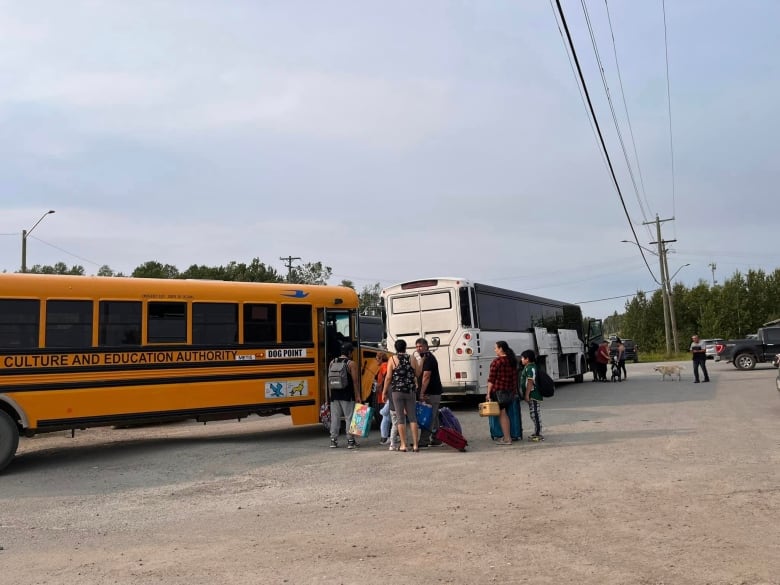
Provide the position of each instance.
(80, 351)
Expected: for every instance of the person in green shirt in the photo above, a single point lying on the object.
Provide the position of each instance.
(530, 393)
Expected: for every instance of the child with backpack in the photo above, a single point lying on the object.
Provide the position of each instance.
(531, 394)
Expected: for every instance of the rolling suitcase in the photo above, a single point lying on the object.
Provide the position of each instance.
(448, 419)
(515, 424)
(452, 438)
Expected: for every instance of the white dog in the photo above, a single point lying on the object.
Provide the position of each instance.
(670, 371)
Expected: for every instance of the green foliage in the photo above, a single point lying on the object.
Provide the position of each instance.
(369, 299)
(310, 273)
(739, 306)
(58, 268)
(255, 271)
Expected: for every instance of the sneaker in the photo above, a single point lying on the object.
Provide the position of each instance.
(435, 443)
(536, 438)
(334, 443)
(383, 441)
(393, 448)
(423, 445)
(352, 444)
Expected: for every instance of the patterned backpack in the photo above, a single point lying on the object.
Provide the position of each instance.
(403, 379)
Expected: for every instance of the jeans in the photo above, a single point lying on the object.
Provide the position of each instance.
(387, 421)
(703, 365)
(339, 409)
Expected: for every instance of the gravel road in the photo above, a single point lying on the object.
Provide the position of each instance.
(641, 482)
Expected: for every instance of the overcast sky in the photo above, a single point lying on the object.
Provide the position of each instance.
(391, 140)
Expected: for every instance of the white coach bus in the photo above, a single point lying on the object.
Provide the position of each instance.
(462, 320)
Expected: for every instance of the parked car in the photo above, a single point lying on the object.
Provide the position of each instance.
(631, 349)
(712, 348)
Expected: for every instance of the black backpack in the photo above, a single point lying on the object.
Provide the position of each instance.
(544, 383)
(403, 379)
(338, 374)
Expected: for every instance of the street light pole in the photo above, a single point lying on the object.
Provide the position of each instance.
(26, 233)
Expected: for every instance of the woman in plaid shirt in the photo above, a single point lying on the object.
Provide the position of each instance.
(503, 376)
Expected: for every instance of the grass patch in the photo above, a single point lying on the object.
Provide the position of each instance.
(648, 356)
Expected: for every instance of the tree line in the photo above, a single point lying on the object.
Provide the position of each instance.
(739, 306)
(254, 271)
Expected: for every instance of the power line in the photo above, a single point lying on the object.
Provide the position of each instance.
(613, 298)
(604, 82)
(579, 87)
(628, 118)
(64, 250)
(601, 136)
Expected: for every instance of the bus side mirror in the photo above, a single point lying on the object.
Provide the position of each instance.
(435, 342)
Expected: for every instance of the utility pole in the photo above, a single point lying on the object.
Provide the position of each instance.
(671, 299)
(665, 288)
(713, 266)
(289, 262)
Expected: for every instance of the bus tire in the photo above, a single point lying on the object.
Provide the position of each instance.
(9, 439)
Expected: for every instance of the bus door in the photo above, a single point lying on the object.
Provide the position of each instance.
(340, 327)
(439, 324)
(593, 337)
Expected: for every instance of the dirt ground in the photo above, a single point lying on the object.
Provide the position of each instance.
(642, 482)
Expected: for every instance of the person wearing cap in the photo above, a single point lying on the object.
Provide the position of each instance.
(342, 401)
(699, 352)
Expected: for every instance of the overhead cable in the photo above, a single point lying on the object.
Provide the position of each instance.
(601, 136)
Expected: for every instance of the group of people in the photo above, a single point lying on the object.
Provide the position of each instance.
(503, 388)
(600, 357)
(403, 380)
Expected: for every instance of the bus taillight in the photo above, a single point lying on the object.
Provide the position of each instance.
(467, 336)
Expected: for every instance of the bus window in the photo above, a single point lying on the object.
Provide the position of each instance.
(166, 322)
(68, 324)
(119, 323)
(296, 323)
(465, 310)
(259, 323)
(214, 323)
(19, 321)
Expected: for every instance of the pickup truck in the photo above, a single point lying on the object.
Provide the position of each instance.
(746, 353)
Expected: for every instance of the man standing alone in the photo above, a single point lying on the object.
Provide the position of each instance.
(699, 352)
(430, 391)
